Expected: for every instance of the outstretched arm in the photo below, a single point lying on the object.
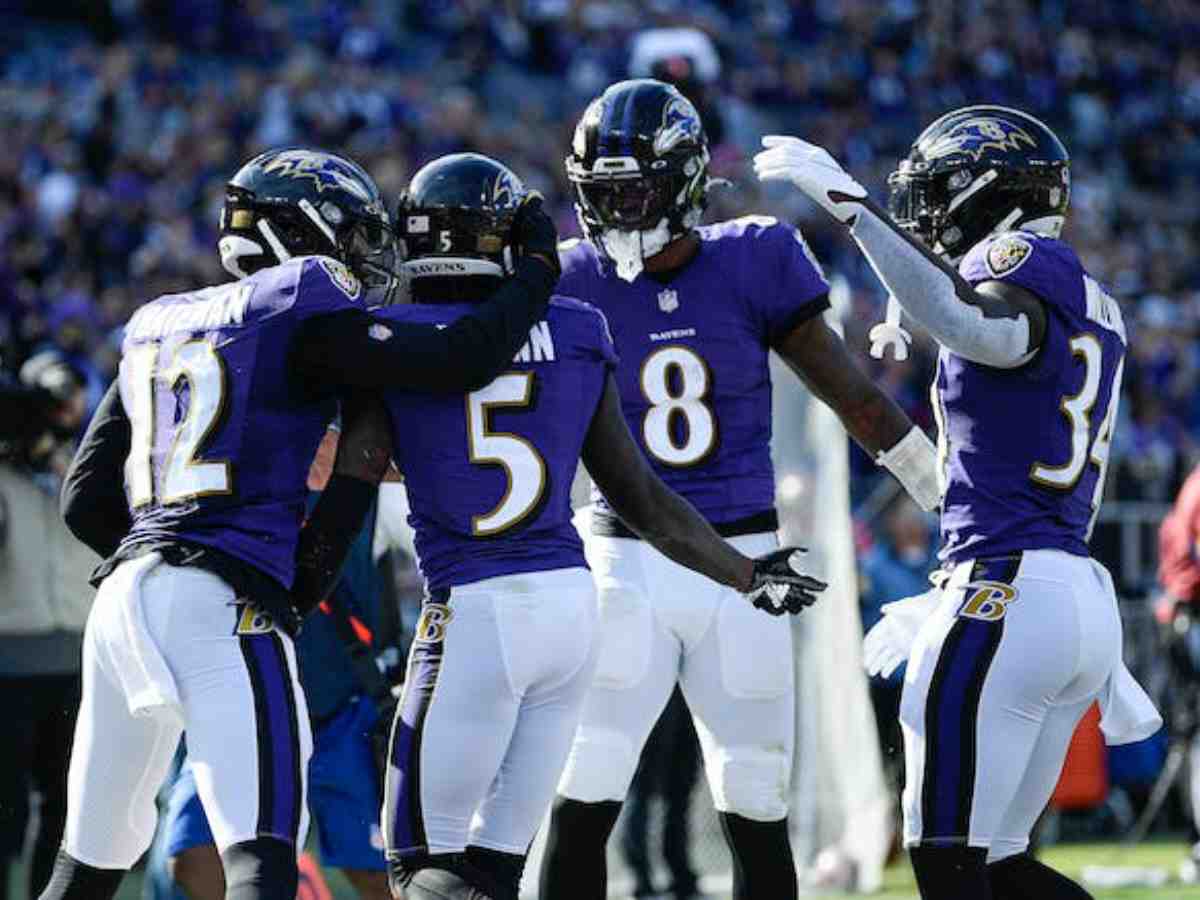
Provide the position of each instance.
(355, 350)
(93, 502)
(815, 352)
(774, 583)
(994, 324)
(648, 506)
(364, 454)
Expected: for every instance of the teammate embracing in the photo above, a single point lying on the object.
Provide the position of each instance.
(1024, 634)
(504, 649)
(695, 311)
(191, 480)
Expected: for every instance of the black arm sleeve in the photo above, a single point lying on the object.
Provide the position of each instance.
(363, 455)
(339, 349)
(93, 500)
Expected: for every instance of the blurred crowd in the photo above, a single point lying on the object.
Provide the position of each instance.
(121, 119)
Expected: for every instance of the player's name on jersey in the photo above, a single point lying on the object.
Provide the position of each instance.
(222, 307)
(539, 347)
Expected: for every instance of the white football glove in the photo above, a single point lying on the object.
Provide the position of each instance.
(814, 171)
(889, 642)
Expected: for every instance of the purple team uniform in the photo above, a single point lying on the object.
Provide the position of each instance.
(694, 381)
(455, 477)
(1019, 471)
(222, 396)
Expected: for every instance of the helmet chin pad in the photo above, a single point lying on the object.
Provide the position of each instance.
(629, 249)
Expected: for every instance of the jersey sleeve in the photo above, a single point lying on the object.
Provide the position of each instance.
(797, 289)
(325, 285)
(594, 336)
(1045, 267)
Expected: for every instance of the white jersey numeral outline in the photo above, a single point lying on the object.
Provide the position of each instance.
(525, 468)
(695, 382)
(1078, 412)
(183, 477)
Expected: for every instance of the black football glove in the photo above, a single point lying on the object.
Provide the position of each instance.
(534, 233)
(779, 586)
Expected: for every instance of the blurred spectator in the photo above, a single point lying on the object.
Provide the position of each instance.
(122, 120)
(896, 566)
(44, 602)
(1179, 613)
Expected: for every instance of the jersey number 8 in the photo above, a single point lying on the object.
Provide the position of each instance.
(676, 382)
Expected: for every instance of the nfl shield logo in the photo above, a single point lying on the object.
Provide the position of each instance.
(668, 300)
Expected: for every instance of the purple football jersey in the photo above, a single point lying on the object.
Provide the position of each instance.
(695, 385)
(222, 437)
(489, 474)
(1024, 451)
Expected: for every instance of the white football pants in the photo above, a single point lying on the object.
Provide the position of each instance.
(496, 679)
(662, 624)
(167, 650)
(1002, 672)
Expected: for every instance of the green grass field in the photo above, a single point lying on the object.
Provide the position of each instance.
(899, 885)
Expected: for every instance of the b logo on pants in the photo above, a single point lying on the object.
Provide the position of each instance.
(252, 620)
(431, 627)
(987, 601)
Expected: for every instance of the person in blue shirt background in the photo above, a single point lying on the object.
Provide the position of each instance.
(336, 649)
(897, 566)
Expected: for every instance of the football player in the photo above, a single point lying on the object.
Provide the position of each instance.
(222, 398)
(695, 311)
(503, 653)
(1024, 634)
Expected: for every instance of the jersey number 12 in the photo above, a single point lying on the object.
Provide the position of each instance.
(182, 477)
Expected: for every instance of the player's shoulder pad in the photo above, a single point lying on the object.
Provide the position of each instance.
(577, 256)
(562, 305)
(323, 272)
(1005, 255)
(744, 227)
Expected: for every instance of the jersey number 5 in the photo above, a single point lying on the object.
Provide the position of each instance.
(676, 382)
(183, 477)
(524, 466)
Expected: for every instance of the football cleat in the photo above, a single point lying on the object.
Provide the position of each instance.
(977, 171)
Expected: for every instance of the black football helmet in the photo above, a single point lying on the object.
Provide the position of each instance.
(639, 165)
(298, 202)
(455, 219)
(981, 170)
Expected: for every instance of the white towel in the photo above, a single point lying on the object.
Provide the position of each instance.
(1127, 713)
(133, 651)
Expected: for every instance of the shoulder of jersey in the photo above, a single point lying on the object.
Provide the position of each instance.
(326, 270)
(744, 228)
(561, 304)
(1001, 255)
(575, 255)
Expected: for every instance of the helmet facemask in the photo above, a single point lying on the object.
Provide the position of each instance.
(631, 215)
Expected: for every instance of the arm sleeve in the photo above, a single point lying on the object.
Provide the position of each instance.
(93, 499)
(352, 349)
(938, 298)
(798, 291)
(363, 455)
